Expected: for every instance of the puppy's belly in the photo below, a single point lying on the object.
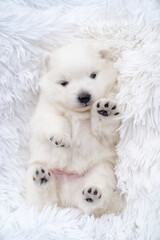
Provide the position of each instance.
(80, 158)
(70, 187)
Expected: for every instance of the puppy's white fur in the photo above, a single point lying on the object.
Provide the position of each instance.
(79, 171)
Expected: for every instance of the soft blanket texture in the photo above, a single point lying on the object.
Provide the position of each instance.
(132, 30)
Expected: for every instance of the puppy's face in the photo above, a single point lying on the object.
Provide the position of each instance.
(76, 76)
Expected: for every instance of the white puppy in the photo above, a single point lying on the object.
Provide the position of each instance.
(74, 132)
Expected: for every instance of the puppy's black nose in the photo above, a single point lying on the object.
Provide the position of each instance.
(84, 97)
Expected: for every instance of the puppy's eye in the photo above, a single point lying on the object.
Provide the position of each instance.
(65, 83)
(93, 75)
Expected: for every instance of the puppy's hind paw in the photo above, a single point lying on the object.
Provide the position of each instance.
(91, 194)
(41, 176)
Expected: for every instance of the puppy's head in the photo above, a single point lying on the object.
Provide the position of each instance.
(77, 75)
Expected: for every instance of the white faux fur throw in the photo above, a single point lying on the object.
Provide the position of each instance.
(132, 30)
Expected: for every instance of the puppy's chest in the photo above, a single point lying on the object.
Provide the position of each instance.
(84, 143)
(81, 131)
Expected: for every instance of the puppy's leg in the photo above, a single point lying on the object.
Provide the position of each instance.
(104, 122)
(41, 188)
(48, 125)
(99, 194)
(60, 133)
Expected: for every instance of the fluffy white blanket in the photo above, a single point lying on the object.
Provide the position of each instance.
(132, 30)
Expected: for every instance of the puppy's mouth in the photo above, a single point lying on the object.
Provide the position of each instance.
(84, 105)
(87, 104)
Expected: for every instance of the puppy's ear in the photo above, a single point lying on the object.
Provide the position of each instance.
(105, 54)
(46, 60)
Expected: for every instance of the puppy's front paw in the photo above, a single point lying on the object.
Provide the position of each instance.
(41, 176)
(106, 108)
(91, 194)
(59, 142)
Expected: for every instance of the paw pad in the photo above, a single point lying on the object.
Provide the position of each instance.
(107, 108)
(57, 143)
(41, 176)
(91, 194)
